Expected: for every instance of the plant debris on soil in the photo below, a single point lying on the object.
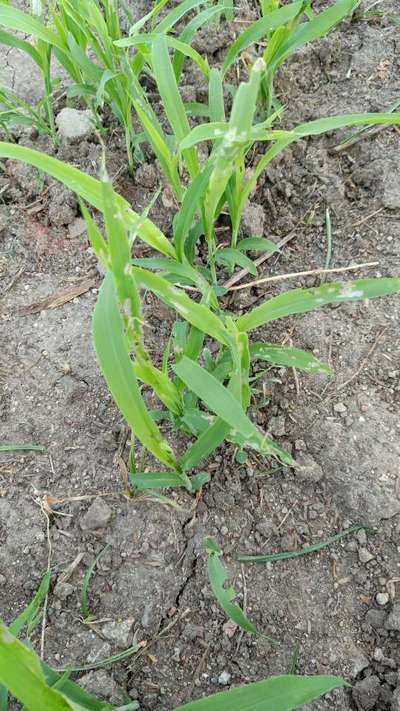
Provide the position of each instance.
(339, 607)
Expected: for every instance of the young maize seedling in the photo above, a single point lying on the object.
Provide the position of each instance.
(16, 111)
(206, 397)
(85, 37)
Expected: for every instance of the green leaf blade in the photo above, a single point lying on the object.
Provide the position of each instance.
(221, 401)
(217, 576)
(279, 693)
(90, 190)
(298, 301)
(119, 373)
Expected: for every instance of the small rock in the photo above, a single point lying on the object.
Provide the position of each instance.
(146, 175)
(229, 627)
(382, 598)
(376, 618)
(118, 632)
(253, 220)
(393, 620)
(63, 206)
(193, 631)
(100, 650)
(365, 556)
(381, 659)
(288, 542)
(308, 469)
(74, 125)
(391, 194)
(358, 661)
(26, 177)
(396, 699)
(392, 678)
(340, 408)
(63, 590)
(3, 222)
(361, 537)
(3, 580)
(77, 228)
(277, 426)
(224, 678)
(211, 38)
(102, 685)
(366, 693)
(97, 516)
(300, 445)
(265, 527)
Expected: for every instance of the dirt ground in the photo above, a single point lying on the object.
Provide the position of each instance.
(340, 608)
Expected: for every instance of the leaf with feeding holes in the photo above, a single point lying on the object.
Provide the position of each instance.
(231, 257)
(297, 301)
(199, 315)
(90, 190)
(259, 30)
(290, 357)
(233, 142)
(257, 244)
(222, 401)
(18, 43)
(217, 576)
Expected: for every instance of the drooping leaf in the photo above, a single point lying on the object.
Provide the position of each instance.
(298, 301)
(315, 28)
(22, 675)
(218, 576)
(15, 19)
(198, 315)
(90, 190)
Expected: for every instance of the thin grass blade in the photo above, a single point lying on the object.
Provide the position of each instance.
(171, 98)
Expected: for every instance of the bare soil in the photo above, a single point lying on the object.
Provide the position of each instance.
(152, 579)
